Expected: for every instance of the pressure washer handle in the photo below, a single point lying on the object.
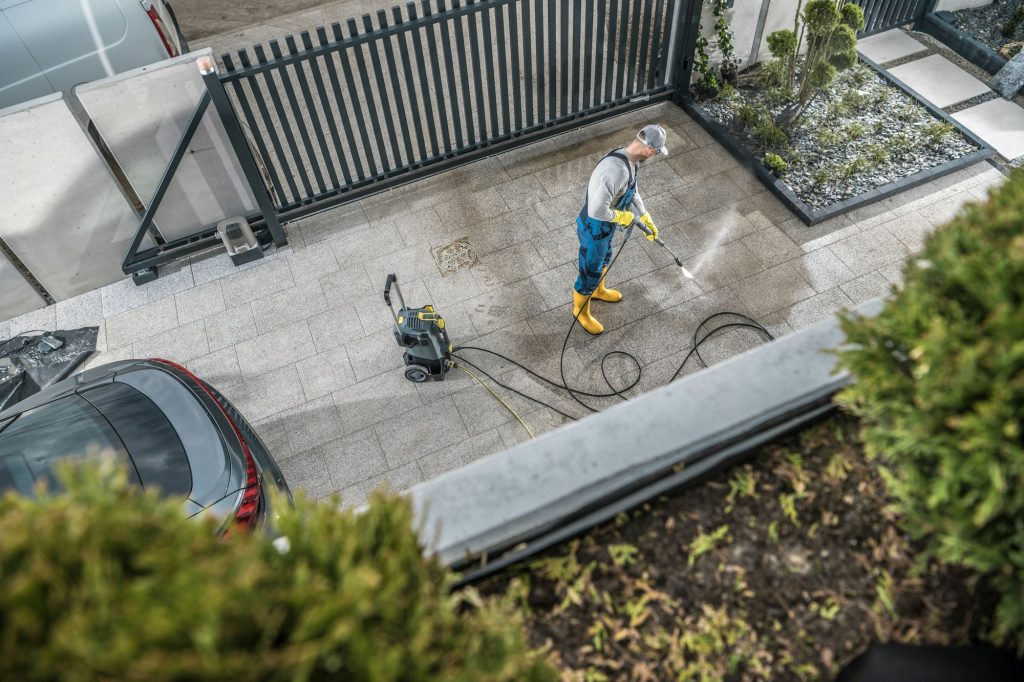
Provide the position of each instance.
(387, 295)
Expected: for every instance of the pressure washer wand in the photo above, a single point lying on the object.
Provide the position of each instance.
(659, 242)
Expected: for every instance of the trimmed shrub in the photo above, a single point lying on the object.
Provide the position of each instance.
(106, 582)
(940, 387)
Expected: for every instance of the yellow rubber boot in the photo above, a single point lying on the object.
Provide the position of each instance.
(603, 294)
(582, 301)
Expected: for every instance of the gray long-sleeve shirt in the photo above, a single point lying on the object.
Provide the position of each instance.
(608, 183)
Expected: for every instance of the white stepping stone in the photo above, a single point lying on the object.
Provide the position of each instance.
(940, 81)
(889, 46)
(999, 123)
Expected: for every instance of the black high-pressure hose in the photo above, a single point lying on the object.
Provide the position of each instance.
(575, 393)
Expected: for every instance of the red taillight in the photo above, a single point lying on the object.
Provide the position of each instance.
(249, 509)
(161, 30)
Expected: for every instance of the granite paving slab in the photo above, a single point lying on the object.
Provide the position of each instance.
(999, 123)
(939, 80)
(889, 46)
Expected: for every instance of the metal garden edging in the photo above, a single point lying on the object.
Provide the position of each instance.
(813, 216)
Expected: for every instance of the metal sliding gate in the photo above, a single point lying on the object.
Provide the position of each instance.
(352, 110)
(339, 114)
(881, 15)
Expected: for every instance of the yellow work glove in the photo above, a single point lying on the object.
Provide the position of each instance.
(649, 224)
(623, 218)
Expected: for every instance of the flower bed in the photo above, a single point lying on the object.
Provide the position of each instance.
(1000, 26)
(783, 568)
(863, 138)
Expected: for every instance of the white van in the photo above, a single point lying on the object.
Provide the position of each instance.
(53, 45)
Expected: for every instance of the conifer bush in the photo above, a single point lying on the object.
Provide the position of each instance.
(939, 385)
(105, 582)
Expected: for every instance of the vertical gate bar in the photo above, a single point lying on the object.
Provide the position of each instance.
(513, 37)
(588, 53)
(410, 87)
(472, 136)
(540, 36)
(553, 63)
(372, 113)
(658, 46)
(449, 62)
(307, 97)
(621, 46)
(275, 98)
(396, 85)
(328, 110)
(250, 120)
(476, 70)
(565, 63)
(887, 13)
(300, 123)
(577, 57)
(435, 71)
(600, 40)
(427, 92)
(528, 63)
(216, 93)
(346, 116)
(493, 82)
(634, 48)
(268, 123)
(610, 45)
(502, 45)
(646, 45)
(373, 48)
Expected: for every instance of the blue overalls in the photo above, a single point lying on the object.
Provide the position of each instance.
(596, 235)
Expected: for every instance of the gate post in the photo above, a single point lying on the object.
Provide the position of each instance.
(681, 45)
(208, 69)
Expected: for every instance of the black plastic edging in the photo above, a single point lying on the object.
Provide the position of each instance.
(939, 26)
(813, 216)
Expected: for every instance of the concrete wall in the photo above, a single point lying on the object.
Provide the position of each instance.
(954, 5)
(142, 115)
(60, 211)
(744, 17)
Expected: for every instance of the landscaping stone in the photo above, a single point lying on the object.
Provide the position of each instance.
(1010, 78)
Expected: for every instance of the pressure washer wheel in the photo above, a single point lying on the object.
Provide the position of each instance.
(417, 373)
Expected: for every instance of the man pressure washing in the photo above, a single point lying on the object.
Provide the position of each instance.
(612, 201)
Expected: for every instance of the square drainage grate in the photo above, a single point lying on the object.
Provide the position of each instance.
(456, 256)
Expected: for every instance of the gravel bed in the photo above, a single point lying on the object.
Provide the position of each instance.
(986, 23)
(861, 134)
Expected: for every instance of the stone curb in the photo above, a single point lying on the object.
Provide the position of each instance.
(513, 496)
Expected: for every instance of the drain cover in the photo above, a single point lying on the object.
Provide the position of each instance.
(455, 256)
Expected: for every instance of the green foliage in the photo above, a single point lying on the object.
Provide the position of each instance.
(724, 34)
(106, 582)
(855, 131)
(855, 100)
(827, 137)
(702, 61)
(940, 389)
(831, 46)
(775, 162)
(878, 154)
(821, 75)
(908, 112)
(769, 133)
(853, 167)
(727, 93)
(772, 74)
(937, 131)
(821, 17)
(852, 16)
(860, 74)
(782, 43)
(750, 115)
(705, 542)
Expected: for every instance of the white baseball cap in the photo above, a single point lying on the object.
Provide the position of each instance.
(654, 136)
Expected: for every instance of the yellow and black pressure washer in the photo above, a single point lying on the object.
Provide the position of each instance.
(421, 332)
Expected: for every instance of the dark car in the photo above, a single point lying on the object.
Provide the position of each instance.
(173, 431)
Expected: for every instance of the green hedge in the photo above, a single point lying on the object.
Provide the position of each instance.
(105, 582)
(940, 387)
